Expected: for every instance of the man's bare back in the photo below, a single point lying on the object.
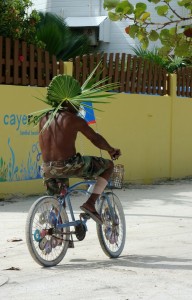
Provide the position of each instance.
(57, 142)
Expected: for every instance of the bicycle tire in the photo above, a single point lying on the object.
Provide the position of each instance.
(35, 219)
(111, 236)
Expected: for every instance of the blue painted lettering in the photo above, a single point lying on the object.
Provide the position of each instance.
(24, 119)
(12, 119)
(15, 120)
(6, 117)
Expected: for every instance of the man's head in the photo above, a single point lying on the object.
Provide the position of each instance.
(71, 107)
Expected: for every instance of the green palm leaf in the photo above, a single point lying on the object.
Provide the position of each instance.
(59, 39)
(87, 84)
(62, 87)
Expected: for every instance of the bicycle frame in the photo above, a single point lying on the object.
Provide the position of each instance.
(66, 199)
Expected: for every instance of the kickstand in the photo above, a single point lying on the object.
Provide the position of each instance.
(71, 243)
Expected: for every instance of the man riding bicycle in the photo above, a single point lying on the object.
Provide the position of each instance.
(60, 159)
(58, 127)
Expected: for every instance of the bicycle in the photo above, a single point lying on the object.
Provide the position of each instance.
(48, 228)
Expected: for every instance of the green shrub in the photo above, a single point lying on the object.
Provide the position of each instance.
(19, 21)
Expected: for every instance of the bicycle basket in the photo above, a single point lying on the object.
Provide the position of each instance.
(116, 180)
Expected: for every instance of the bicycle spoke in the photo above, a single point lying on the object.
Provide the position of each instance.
(112, 233)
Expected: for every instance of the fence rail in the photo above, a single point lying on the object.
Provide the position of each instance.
(134, 74)
(184, 82)
(26, 65)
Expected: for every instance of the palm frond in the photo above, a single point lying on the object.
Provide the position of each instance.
(99, 86)
(94, 80)
(41, 99)
(35, 117)
(59, 39)
(62, 87)
(51, 117)
(87, 81)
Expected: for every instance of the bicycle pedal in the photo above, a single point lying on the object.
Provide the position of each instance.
(71, 244)
(84, 216)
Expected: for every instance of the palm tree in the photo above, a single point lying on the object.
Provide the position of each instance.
(59, 40)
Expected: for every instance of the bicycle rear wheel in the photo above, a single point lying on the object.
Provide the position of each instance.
(111, 234)
(47, 244)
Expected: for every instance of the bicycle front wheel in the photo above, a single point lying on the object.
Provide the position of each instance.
(112, 232)
(47, 244)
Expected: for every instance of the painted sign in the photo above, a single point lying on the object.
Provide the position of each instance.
(20, 155)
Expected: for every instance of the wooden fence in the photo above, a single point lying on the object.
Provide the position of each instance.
(184, 82)
(134, 74)
(26, 65)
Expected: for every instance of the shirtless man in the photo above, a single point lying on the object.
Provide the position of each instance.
(60, 159)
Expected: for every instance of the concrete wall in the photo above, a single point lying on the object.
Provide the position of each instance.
(153, 133)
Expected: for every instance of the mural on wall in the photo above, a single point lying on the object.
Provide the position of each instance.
(19, 153)
(3, 170)
(28, 169)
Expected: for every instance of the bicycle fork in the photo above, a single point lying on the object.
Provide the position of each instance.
(111, 209)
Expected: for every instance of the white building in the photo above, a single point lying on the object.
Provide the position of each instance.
(90, 17)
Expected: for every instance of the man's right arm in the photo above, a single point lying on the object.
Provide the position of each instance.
(98, 140)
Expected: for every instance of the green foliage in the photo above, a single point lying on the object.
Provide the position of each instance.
(124, 7)
(153, 36)
(17, 23)
(59, 40)
(110, 4)
(170, 63)
(150, 55)
(162, 10)
(186, 3)
(176, 62)
(133, 31)
(175, 37)
(43, 30)
(120, 9)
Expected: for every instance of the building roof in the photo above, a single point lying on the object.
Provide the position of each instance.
(85, 21)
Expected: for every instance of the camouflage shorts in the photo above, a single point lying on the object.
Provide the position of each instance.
(76, 167)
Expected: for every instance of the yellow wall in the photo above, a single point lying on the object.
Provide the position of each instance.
(140, 126)
(182, 138)
(153, 133)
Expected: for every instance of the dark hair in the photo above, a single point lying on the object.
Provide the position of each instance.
(68, 106)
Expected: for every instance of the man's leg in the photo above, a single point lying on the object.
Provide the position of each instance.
(99, 187)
